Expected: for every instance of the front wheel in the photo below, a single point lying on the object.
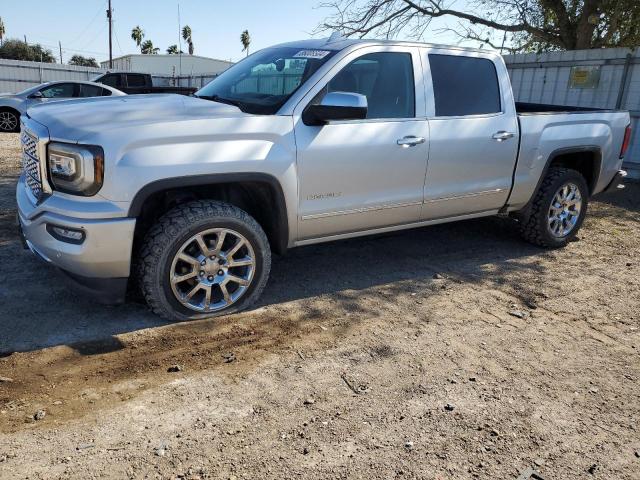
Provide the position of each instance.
(9, 121)
(203, 259)
(558, 209)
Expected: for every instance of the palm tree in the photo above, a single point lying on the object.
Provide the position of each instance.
(147, 48)
(245, 39)
(186, 35)
(2, 31)
(173, 50)
(137, 34)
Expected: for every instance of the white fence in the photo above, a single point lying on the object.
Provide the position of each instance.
(604, 78)
(17, 75)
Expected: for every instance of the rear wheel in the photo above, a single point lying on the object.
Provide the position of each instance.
(204, 259)
(558, 209)
(9, 121)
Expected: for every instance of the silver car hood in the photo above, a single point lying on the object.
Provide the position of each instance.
(74, 120)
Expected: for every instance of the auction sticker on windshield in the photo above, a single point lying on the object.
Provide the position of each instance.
(312, 54)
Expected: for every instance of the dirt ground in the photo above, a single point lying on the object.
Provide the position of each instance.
(456, 351)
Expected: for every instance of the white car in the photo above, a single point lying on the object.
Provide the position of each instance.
(13, 105)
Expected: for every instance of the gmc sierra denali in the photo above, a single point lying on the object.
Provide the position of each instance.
(305, 142)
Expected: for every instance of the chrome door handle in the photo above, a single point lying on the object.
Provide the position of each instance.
(410, 141)
(501, 136)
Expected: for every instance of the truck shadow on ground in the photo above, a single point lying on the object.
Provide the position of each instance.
(40, 309)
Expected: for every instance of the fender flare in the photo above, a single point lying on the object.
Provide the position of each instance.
(282, 232)
(595, 149)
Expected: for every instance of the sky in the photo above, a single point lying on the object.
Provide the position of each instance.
(81, 25)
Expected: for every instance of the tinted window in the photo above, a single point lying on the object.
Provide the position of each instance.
(90, 91)
(386, 79)
(111, 80)
(464, 85)
(59, 90)
(106, 92)
(136, 81)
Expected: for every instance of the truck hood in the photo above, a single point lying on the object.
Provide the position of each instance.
(73, 120)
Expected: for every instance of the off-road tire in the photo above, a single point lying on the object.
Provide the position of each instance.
(534, 225)
(174, 228)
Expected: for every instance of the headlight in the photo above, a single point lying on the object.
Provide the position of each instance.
(77, 169)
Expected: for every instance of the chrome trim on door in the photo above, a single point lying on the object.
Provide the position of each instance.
(359, 210)
(468, 195)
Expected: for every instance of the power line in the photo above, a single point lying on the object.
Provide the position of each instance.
(115, 33)
(102, 5)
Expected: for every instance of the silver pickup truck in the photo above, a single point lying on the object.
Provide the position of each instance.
(185, 198)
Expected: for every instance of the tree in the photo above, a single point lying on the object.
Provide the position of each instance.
(173, 50)
(2, 31)
(83, 61)
(147, 48)
(529, 25)
(245, 39)
(186, 35)
(137, 34)
(14, 49)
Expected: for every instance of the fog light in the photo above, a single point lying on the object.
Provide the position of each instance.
(64, 234)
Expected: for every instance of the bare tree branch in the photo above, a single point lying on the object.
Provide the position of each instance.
(530, 24)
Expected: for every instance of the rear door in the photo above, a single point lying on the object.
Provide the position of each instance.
(474, 133)
(358, 175)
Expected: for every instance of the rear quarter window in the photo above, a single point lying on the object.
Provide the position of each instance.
(464, 85)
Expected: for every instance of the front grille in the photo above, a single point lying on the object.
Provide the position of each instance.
(31, 164)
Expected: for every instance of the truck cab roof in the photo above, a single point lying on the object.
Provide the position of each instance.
(341, 43)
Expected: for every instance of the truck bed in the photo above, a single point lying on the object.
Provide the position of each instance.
(550, 130)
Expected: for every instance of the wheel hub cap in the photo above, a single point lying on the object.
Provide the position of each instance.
(564, 211)
(212, 270)
(8, 121)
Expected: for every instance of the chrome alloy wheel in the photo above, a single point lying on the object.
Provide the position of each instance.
(212, 270)
(8, 121)
(564, 211)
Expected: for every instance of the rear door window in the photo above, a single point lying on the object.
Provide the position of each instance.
(464, 85)
(90, 90)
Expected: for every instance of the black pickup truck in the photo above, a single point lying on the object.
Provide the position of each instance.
(133, 83)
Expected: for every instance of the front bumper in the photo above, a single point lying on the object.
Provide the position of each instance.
(99, 264)
(617, 183)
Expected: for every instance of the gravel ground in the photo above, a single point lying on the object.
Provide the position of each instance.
(455, 351)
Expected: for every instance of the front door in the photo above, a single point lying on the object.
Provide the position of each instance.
(360, 175)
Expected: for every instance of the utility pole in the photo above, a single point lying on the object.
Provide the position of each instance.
(60, 45)
(25, 39)
(179, 44)
(110, 20)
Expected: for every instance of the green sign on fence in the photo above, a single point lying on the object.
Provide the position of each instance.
(584, 77)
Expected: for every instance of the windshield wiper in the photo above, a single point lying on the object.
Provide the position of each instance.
(219, 99)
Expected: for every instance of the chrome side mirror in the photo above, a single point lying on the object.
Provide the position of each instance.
(336, 106)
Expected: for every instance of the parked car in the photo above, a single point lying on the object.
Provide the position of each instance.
(13, 106)
(137, 83)
(301, 143)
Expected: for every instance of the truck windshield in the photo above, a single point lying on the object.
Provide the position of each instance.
(263, 82)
